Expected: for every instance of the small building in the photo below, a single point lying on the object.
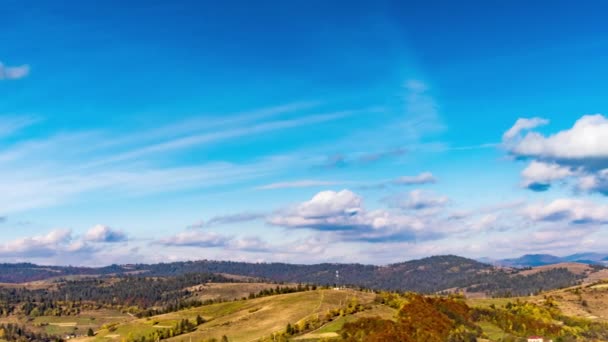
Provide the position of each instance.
(536, 339)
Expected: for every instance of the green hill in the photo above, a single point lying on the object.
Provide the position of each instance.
(243, 320)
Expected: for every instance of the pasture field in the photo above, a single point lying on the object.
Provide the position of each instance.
(242, 320)
(64, 325)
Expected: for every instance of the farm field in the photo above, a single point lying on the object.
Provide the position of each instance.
(65, 325)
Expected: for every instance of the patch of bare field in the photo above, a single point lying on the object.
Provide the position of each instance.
(228, 291)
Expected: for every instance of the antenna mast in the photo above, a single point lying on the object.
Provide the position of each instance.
(337, 279)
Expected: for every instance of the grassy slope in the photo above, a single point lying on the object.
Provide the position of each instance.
(243, 320)
(331, 329)
(590, 301)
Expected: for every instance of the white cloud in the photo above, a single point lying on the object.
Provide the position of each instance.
(550, 240)
(192, 140)
(251, 244)
(584, 142)
(485, 223)
(579, 153)
(419, 200)
(13, 72)
(538, 176)
(422, 111)
(196, 238)
(102, 233)
(343, 214)
(423, 178)
(595, 182)
(327, 209)
(574, 211)
(523, 124)
(37, 246)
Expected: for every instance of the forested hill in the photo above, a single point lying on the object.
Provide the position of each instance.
(437, 268)
(432, 274)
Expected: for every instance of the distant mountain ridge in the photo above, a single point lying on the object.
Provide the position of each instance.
(533, 260)
(428, 275)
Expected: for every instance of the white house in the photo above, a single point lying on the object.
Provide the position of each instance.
(536, 339)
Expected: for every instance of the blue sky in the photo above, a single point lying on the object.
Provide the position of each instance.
(301, 131)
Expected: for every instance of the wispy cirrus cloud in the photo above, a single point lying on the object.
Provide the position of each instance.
(192, 140)
(196, 238)
(423, 178)
(304, 183)
(60, 167)
(420, 179)
(10, 124)
(228, 219)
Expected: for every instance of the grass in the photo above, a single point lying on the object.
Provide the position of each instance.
(498, 302)
(493, 332)
(243, 320)
(332, 328)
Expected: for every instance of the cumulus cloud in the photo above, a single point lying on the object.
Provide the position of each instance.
(58, 242)
(574, 211)
(581, 145)
(326, 210)
(13, 72)
(538, 176)
(343, 213)
(580, 152)
(101, 233)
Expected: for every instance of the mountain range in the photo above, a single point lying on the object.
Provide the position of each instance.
(428, 275)
(532, 260)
